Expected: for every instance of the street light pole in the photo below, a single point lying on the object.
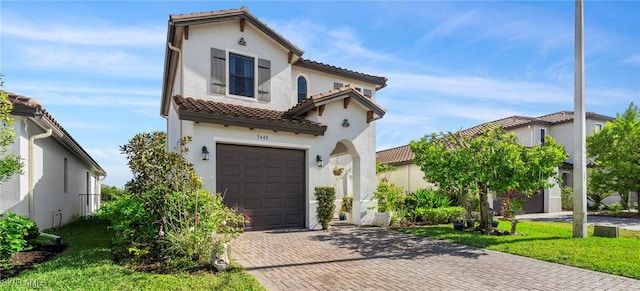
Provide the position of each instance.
(579, 132)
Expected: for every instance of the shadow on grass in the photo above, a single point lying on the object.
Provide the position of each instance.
(472, 238)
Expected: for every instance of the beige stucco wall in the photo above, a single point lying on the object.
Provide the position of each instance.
(48, 171)
(409, 177)
(196, 53)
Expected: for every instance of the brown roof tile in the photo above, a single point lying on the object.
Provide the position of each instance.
(238, 115)
(31, 107)
(314, 101)
(232, 14)
(396, 156)
(377, 80)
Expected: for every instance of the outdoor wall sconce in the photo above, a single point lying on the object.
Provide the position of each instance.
(345, 123)
(205, 153)
(242, 42)
(319, 161)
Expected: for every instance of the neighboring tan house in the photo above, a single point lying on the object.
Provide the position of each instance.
(268, 126)
(60, 180)
(530, 131)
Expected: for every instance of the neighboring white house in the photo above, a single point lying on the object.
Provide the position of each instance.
(530, 131)
(60, 181)
(268, 126)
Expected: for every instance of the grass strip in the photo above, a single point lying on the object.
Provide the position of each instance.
(87, 265)
(552, 242)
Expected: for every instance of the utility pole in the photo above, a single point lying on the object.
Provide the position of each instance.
(579, 132)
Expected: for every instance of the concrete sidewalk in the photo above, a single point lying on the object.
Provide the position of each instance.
(567, 216)
(352, 258)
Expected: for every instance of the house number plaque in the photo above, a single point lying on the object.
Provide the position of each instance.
(263, 137)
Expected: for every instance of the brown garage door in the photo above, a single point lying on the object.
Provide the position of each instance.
(266, 184)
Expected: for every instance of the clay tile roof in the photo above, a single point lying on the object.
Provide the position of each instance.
(395, 156)
(228, 15)
(238, 115)
(403, 155)
(506, 123)
(314, 101)
(377, 80)
(30, 107)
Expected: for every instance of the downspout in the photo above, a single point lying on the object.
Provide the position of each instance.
(175, 49)
(32, 139)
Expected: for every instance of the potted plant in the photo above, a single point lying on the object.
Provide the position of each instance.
(337, 171)
(458, 221)
(347, 206)
(342, 216)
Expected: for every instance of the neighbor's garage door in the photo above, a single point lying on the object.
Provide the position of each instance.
(534, 204)
(266, 184)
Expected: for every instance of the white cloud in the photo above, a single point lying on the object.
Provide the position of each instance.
(633, 60)
(473, 87)
(104, 35)
(338, 44)
(87, 125)
(92, 60)
(452, 23)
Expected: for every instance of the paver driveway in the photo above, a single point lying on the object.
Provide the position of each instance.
(350, 258)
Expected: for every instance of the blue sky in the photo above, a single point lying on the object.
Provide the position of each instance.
(97, 66)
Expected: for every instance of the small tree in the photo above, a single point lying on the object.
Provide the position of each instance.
(10, 164)
(489, 161)
(167, 214)
(615, 151)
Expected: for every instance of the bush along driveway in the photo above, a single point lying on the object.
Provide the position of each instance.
(87, 265)
(377, 259)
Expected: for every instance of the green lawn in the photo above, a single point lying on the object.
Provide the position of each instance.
(86, 265)
(553, 242)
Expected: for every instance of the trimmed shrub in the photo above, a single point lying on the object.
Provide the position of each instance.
(390, 196)
(566, 194)
(326, 197)
(442, 215)
(347, 204)
(15, 233)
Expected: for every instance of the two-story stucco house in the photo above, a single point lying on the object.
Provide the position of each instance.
(530, 131)
(268, 126)
(60, 180)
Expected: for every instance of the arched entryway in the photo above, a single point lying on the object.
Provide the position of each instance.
(345, 163)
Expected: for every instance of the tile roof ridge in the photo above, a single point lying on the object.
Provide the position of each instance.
(394, 148)
(338, 68)
(212, 12)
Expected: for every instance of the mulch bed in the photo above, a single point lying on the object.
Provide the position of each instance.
(618, 214)
(26, 260)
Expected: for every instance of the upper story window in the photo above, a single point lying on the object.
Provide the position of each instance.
(543, 135)
(241, 76)
(598, 127)
(302, 88)
(235, 74)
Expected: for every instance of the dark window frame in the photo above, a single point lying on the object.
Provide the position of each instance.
(242, 75)
(302, 93)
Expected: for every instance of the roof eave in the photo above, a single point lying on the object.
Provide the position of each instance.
(250, 123)
(380, 82)
(238, 16)
(45, 121)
